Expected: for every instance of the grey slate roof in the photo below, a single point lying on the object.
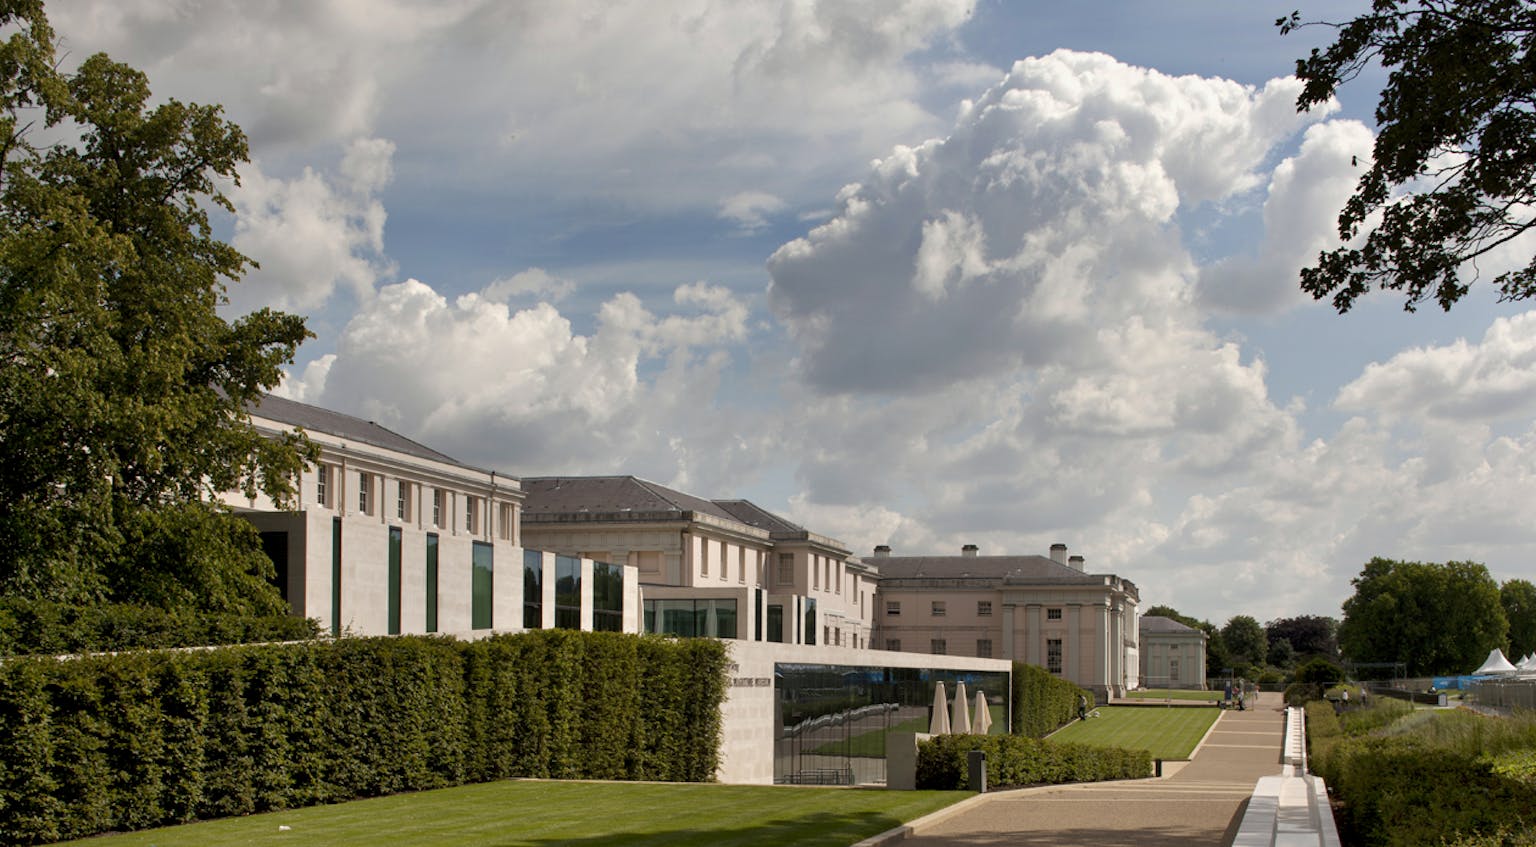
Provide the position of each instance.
(752, 514)
(1034, 568)
(611, 495)
(1159, 624)
(316, 419)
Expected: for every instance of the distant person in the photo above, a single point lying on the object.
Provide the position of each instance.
(1082, 707)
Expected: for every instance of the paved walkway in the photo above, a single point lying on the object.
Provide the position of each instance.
(1200, 804)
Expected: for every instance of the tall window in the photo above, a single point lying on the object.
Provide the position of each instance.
(703, 557)
(810, 621)
(607, 597)
(431, 582)
(776, 623)
(786, 568)
(364, 489)
(937, 647)
(504, 522)
(482, 584)
(983, 608)
(983, 648)
(471, 525)
(567, 592)
(533, 589)
(394, 581)
(323, 485)
(741, 575)
(437, 507)
(402, 500)
(335, 576)
(1053, 655)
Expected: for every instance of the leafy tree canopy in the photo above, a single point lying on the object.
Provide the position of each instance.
(1453, 175)
(1307, 634)
(1518, 597)
(1245, 639)
(1434, 618)
(123, 393)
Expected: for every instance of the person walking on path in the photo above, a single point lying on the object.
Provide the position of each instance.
(1082, 707)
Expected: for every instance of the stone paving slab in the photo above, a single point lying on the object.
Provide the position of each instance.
(1200, 803)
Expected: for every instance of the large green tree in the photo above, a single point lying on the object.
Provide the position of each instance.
(1453, 174)
(1434, 618)
(1245, 639)
(1307, 634)
(123, 392)
(1518, 596)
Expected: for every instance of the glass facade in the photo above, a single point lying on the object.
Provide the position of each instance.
(431, 582)
(810, 621)
(336, 576)
(533, 589)
(833, 720)
(567, 592)
(689, 618)
(482, 584)
(607, 597)
(776, 623)
(394, 581)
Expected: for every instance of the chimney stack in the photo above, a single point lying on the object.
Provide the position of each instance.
(1076, 562)
(969, 550)
(1059, 553)
(882, 551)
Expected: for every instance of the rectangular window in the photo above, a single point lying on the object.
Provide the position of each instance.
(1053, 614)
(471, 513)
(323, 485)
(607, 598)
(394, 581)
(1173, 670)
(838, 580)
(983, 608)
(1053, 655)
(336, 576)
(786, 568)
(364, 488)
(437, 507)
(776, 623)
(402, 500)
(810, 622)
(757, 620)
(983, 648)
(482, 585)
(937, 647)
(938, 608)
(533, 589)
(741, 577)
(431, 582)
(567, 592)
(815, 571)
(892, 608)
(704, 557)
(505, 522)
(893, 644)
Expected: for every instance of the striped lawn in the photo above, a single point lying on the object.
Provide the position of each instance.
(1170, 732)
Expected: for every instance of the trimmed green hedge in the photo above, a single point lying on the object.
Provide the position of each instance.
(1014, 761)
(147, 739)
(40, 627)
(1043, 703)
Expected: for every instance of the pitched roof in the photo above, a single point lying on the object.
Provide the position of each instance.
(1033, 568)
(752, 514)
(316, 419)
(611, 495)
(1160, 624)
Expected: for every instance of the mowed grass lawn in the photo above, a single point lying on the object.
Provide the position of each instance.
(527, 812)
(1170, 733)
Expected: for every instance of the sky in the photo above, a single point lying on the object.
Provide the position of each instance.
(922, 273)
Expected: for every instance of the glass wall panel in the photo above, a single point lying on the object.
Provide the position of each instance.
(567, 592)
(776, 623)
(607, 597)
(834, 720)
(689, 618)
(810, 621)
(336, 576)
(431, 582)
(482, 585)
(533, 589)
(394, 581)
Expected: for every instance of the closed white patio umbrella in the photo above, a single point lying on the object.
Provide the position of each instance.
(938, 724)
(960, 717)
(982, 723)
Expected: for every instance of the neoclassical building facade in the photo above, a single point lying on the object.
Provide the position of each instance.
(1042, 610)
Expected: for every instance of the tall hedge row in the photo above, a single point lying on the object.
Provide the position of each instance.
(1042, 702)
(147, 739)
(1014, 761)
(39, 627)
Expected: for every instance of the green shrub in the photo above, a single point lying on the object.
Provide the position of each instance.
(1302, 693)
(39, 627)
(1043, 703)
(135, 740)
(1014, 761)
(1320, 671)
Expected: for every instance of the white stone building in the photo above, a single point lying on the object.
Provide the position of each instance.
(1045, 611)
(1172, 654)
